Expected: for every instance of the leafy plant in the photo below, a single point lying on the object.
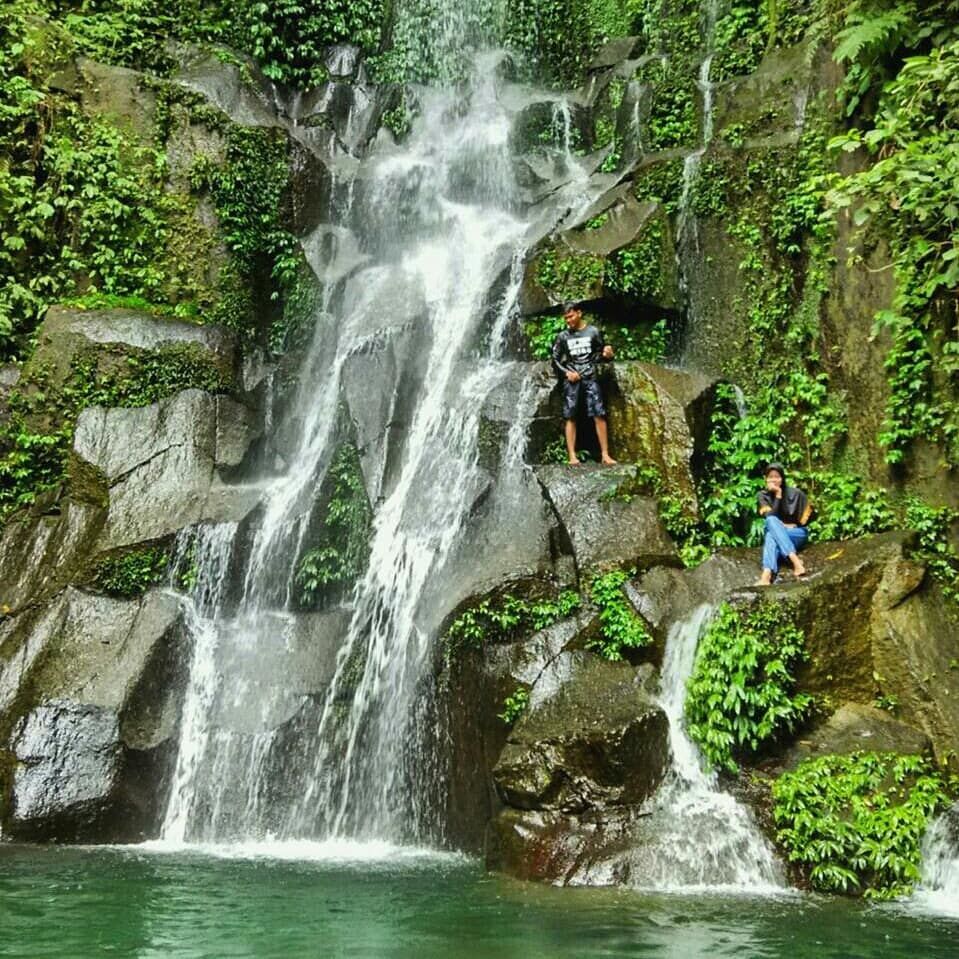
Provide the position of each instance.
(515, 705)
(132, 573)
(741, 692)
(935, 547)
(505, 618)
(342, 542)
(621, 627)
(857, 822)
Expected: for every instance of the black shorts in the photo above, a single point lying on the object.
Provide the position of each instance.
(585, 388)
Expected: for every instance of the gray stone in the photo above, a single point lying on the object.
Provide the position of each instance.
(65, 331)
(159, 462)
(236, 428)
(591, 737)
(603, 529)
(40, 554)
(625, 223)
(68, 763)
(855, 727)
(613, 52)
(236, 87)
(91, 686)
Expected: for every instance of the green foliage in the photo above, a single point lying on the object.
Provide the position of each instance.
(846, 508)
(503, 619)
(515, 705)
(936, 544)
(248, 192)
(857, 822)
(621, 627)
(132, 573)
(83, 205)
(342, 542)
(557, 38)
(741, 692)
(287, 37)
(906, 193)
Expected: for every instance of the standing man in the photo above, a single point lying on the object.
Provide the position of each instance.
(576, 352)
(786, 511)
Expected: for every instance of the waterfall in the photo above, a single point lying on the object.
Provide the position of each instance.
(695, 835)
(202, 557)
(318, 726)
(938, 890)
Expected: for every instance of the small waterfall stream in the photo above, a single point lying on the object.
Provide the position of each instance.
(939, 889)
(697, 836)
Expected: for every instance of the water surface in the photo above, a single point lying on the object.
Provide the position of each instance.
(70, 902)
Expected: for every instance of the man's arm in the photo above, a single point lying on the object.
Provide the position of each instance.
(602, 351)
(559, 355)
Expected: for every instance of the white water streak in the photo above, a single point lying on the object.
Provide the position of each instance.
(698, 836)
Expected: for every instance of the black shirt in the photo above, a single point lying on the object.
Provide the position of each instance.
(791, 507)
(578, 351)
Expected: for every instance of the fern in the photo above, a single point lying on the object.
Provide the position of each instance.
(872, 33)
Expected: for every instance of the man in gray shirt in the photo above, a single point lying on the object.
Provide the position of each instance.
(577, 351)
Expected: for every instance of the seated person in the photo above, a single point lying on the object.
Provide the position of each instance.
(786, 511)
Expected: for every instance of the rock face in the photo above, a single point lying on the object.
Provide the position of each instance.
(69, 760)
(591, 748)
(67, 332)
(856, 727)
(95, 683)
(160, 461)
(591, 738)
(602, 527)
(874, 628)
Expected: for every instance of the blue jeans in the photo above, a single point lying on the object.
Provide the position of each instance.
(780, 542)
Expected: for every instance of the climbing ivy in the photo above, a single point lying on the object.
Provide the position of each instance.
(741, 691)
(341, 545)
(905, 192)
(505, 618)
(621, 627)
(131, 573)
(856, 823)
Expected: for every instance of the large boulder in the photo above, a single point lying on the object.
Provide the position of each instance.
(856, 727)
(40, 552)
(89, 704)
(592, 747)
(658, 417)
(67, 333)
(604, 523)
(592, 737)
(876, 629)
(160, 464)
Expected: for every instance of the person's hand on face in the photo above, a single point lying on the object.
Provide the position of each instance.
(774, 484)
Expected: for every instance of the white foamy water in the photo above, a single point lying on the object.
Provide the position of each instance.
(938, 892)
(314, 728)
(696, 836)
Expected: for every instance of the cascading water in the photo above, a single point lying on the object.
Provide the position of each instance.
(419, 238)
(695, 835)
(939, 889)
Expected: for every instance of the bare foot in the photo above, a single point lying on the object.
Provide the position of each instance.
(575, 462)
(609, 461)
(765, 579)
(799, 568)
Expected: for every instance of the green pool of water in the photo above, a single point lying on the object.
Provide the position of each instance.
(70, 902)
